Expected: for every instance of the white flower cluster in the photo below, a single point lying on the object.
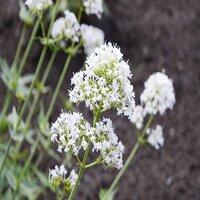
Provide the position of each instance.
(93, 7)
(61, 172)
(57, 172)
(105, 82)
(72, 132)
(107, 143)
(158, 94)
(155, 137)
(38, 5)
(66, 28)
(92, 38)
(69, 132)
(138, 116)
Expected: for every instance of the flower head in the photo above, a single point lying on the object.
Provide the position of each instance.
(138, 116)
(69, 131)
(155, 137)
(105, 82)
(158, 94)
(66, 28)
(106, 142)
(72, 132)
(57, 172)
(38, 5)
(58, 180)
(93, 7)
(92, 38)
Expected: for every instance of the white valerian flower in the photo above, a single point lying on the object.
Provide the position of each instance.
(66, 28)
(57, 172)
(92, 38)
(138, 116)
(155, 137)
(72, 132)
(105, 82)
(158, 94)
(69, 130)
(73, 177)
(93, 7)
(106, 142)
(38, 5)
(57, 177)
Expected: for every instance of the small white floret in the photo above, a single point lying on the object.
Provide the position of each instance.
(155, 137)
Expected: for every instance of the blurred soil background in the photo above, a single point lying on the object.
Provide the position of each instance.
(153, 35)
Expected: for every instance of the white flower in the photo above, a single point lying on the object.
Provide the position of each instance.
(61, 172)
(155, 137)
(158, 94)
(106, 142)
(93, 7)
(58, 28)
(66, 28)
(72, 132)
(73, 177)
(57, 171)
(105, 82)
(68, 131)
(92, 38)
(138, 117)
(38, 5)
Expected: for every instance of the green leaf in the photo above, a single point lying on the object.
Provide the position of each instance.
(22, 89)
(42, 177)
(13, 82)
(8, 75)
(110, 196)
(29, 188)
(29, 136)
(8, 195)
(25, 15)
(42, 122)
(15, 132)
(11, 178)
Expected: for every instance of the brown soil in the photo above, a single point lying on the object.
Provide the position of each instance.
(153, 34)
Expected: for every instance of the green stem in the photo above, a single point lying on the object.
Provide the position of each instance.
(8, 97)
(83, 166)
(35, 75)
(39, 65)
(7, 101)
(26, 166)
(5, 156)
(36, 97)
(20, 44)
(80, 174)
(53, 100)
(30, 91)
(128, 161)
(21, 66)
(32, 85)
(42, 26)
(28, 48)
(91, 165)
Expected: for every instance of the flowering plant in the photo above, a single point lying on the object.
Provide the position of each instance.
(103, 84)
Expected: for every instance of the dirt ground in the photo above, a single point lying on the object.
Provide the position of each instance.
(153, 35)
